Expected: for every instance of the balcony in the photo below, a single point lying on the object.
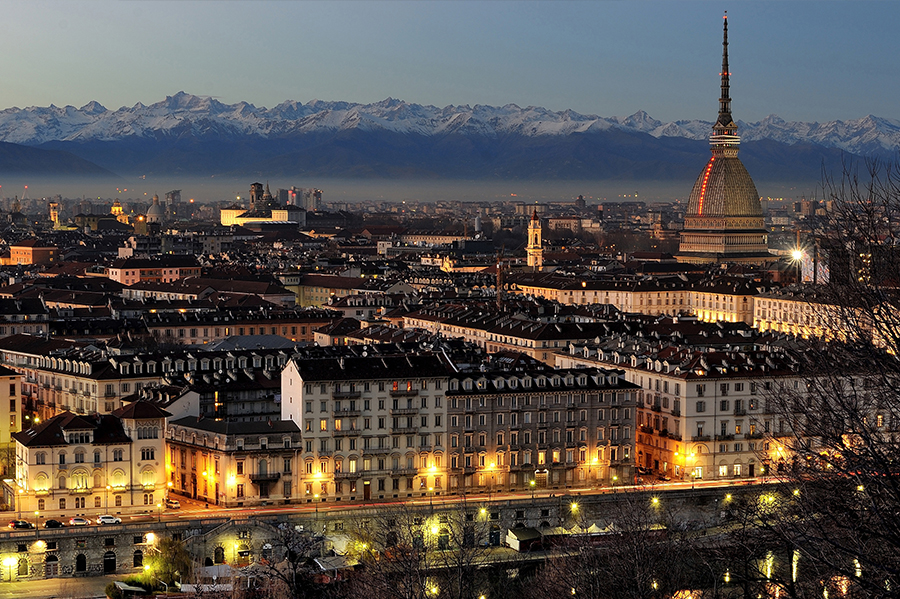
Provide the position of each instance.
(80, 491)
(346, 475)
(740, 412)
(404, 393)
(647, 429)
(724, 437)
(348, 433)
(753, 436)
(700, 438)
(404, 411)
(41, 492)
(404, 430)
(268, 477)
(656, 407)
(346, 394)
(404, 471)
(676, 412)
(376, 450)
(346, 413)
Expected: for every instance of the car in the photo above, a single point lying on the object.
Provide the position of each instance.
(79, 521)
(106, 519)
(172, 504)
(664, 477)
(20, 524)
(53, 524)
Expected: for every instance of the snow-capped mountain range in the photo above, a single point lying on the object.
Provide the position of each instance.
(204, 117)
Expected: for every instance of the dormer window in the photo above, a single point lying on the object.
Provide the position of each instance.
(467, 385)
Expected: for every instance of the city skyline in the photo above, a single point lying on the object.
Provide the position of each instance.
(617, 57)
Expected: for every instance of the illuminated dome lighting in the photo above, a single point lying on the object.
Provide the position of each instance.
(724, 219)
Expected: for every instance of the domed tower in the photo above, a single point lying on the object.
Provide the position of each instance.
(724, 219)
(156, 213)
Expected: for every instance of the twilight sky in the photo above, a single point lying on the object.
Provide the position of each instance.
(801, 60)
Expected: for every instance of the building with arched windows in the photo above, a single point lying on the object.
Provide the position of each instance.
(85, 465)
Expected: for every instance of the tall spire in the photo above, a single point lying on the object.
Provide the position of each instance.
(725, 129)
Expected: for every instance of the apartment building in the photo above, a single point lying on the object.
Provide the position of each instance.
(234, 464)
(201, 328)
(163, 269)
(702, 413)
(73, 465)
(373, 427)
(498, 331)
(540, 428)
(803, 311)
(720, 298)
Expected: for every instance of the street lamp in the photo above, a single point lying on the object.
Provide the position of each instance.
(158, 512)
(37, 523)
(797, 258)
(107, 497)
(9, 562)
(532, 484)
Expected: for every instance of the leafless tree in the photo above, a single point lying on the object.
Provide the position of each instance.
(284, 568)
(413, 552)
(841, 484)
(640, 554)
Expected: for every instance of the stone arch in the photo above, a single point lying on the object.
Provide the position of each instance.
(80, 563)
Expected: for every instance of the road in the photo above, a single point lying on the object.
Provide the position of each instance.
(192, 510)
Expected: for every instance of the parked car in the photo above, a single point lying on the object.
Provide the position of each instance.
(106, 519)
(664, 477)
(53, 524)
(79, 521)
(172, 504)
(20, 524)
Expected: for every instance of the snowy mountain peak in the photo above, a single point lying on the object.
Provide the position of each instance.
(93, 108)
(202, 116)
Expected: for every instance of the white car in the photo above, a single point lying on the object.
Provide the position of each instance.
(172, 504)
(108, 520)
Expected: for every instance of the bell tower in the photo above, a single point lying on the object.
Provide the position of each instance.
(535, 249)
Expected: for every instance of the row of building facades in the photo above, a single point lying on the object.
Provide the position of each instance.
(674, 398)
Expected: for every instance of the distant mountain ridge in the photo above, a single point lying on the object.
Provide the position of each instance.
(190, 134)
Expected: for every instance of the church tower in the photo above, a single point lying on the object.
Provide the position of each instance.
(724, 219)
(535, 249)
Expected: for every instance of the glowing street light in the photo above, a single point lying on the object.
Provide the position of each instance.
(9, 562)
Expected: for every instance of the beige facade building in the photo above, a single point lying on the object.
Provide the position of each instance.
(87, 465)
(373, 427)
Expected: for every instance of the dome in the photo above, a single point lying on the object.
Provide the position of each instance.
(724, 219)
(156, 213)
(724, 189)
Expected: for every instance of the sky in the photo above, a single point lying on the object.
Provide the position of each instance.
(801, 60)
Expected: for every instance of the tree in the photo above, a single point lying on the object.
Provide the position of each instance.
(168, 562)
(285, 569)
(412, 552)
(843, 481)
(642, 554)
